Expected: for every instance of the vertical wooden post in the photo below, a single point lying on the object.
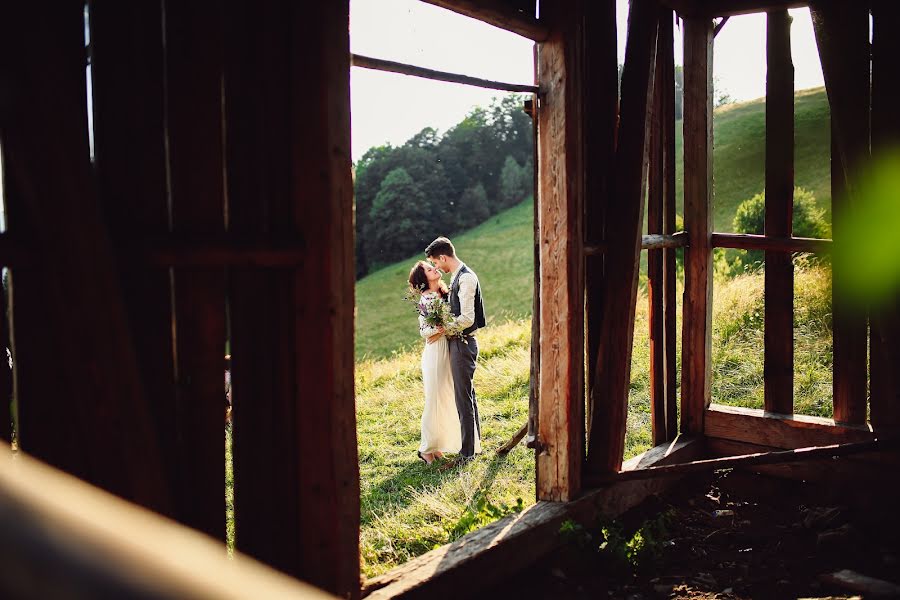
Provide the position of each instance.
(885, 323)
(696, 369)
(842, 31)
(562, 283)
(602, 95)
(666, 64)
(778, 354)
(6, 380)
(130, 161)
(609, 395)
(288, 152)
(534, 375)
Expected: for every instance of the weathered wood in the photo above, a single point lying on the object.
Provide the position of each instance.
(6, 379)
(292, 330)
(719, 26)
(499, 14)
(666, 65)
(863, 584)
(811, 453)
(884, 349)
(602, 95)
(534, 372)
(500, 549)
(71, 305)
(842, 36)
(778, 338)
(729, 8)
(696, 339)
(561, 170)
(779, 431)
(380, 64)
(514, 440)
(130, 162)
(197, 197)
(750, 241)
(648, 242)
(609, 394)
(655, 213)
(61, 538)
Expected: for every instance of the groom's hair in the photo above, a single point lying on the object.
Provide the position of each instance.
(440, 246)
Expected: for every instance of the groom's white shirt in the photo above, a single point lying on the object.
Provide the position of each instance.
(467, 284)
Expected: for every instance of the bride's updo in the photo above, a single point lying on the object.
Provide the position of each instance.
(418, 280)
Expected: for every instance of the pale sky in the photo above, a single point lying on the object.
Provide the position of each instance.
(387, 107)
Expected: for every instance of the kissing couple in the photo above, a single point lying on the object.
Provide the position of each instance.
(448, 320)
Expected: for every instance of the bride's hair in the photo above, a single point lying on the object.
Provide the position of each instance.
(418, 280)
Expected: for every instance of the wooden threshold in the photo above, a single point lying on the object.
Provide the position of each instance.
(503, 548)
(756, 426)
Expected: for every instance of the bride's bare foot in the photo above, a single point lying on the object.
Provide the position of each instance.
(428, 457)
(438, 454)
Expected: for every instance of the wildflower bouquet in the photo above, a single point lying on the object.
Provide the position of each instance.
(434, 311)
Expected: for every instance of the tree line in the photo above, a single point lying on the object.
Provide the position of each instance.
(441, 184)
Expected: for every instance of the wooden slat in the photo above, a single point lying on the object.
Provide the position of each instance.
(842, 35)
(194, 55)
(380, 64)
(76, 369)
(560, 148)
(756, 426)
(499, 14)
(884, 391)
(534, 372)
(656, 241)
(666, 64)
(778, 354)
(602, 95)
(655, 212)
(129, 146)
(696, 337)
(609, 394)
(505, 547)
(61, 538)
(750, 241)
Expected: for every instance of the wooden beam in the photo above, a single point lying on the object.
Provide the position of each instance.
(842, 34)
(88, 414)
(670, 267)
(504, 547)
(730, 8)
(499, 14)
(749, 241)
(655, 241)
(62, 538)
(195, 138)
(778, 353)
(779, 431)
(380, 64)
(6, 378)
(696, 370)
(884, 349)
(609, 394)
(602, 95)
(534, 372)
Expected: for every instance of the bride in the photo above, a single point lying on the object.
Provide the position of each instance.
(440, 420)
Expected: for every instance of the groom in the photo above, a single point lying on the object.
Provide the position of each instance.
(466, 305)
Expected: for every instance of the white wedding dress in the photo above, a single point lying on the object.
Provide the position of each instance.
(440, 420)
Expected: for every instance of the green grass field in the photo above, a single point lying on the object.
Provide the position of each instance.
(408, 508)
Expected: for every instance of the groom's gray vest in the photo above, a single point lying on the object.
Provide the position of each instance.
(479, 305)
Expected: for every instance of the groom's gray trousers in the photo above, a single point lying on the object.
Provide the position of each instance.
(462, 366)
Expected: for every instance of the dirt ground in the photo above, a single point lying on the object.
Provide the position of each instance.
(730, 535)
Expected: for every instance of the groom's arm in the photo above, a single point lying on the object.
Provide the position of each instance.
(467, 284)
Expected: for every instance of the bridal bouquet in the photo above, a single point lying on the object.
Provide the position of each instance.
(435, 312)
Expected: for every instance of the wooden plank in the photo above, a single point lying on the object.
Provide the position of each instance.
(609, 394)
(70, 305)
(756, 426)
(750, 241)
(852, 581)
(6, 379)
(380, 64)
(499, 14)
(730, 8)
(194, 56)
(842, 36)
(778, 338)
(696, 339)
(884, 349)
(534, 372)
(504, 547)
(292, 355)
(656, 241)
(602, 95)
(655, 213)
(62, 538)
(561, 170)
(666, 64)
(130, 161)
